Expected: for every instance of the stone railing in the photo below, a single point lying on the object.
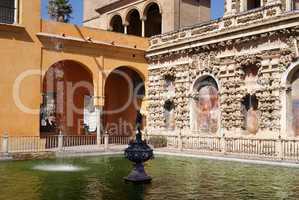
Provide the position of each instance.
(59, 143)
(226, 23)
(120, 140)
(268, 149)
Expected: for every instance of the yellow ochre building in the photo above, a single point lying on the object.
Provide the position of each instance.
(58, 77)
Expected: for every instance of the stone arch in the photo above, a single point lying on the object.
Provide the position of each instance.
(202, 77)
(124, 93)
(128, 11)
(148, 4)
(66, 86)
(290, 101)
(133, 21)
(204, 105)
(116, 24)
(153, 19)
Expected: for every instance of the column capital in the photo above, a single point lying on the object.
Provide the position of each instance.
(144, 18)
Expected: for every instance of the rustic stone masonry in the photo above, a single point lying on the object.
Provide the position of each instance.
(265, 39)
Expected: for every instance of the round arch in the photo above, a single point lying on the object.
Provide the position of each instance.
(133, 20)
(128, 11)
(289, 72)
(124, 93)
(153, 19)
(148, 4)
(66, 86)
(202, 77)
(116, 23)
(204, 105)
(142, 75)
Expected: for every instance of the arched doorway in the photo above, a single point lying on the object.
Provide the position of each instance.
(153, 23)
(134, 21)
(205, 111)
(67, 93)
(116, 24)
(124, 92)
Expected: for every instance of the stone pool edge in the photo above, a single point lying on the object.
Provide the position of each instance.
(190, 155)
(172, 153)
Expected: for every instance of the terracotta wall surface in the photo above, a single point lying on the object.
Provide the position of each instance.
(95, 34)
(119, 96)
(23, 49)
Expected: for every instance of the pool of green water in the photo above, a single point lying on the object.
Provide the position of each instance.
(174, 178)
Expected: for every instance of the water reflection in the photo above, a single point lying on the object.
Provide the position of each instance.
(174, 179)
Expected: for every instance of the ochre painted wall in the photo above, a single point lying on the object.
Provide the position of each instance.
(36, 45)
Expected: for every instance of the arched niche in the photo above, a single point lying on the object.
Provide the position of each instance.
(251, 114)
(116, 24)
(169, 114)
(205, 109)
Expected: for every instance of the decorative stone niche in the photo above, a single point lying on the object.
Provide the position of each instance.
(250, 77)
(251, 113)
(169, 115)
(205, 111)
(169, 86)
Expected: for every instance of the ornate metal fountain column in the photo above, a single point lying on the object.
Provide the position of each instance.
(138, 152)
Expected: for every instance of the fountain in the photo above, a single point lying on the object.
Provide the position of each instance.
(138, 152)
(58, 168)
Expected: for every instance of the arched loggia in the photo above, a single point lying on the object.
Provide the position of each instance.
(124, 92)
(153, 23)
(134, 23)
(116, 24)
(67, 89)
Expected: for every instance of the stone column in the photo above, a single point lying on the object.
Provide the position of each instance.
(243, 5)
(60, 141)
(143, 19)
(286, 113)
(289, 5)
(126, 28)
(99, 110)
(5, 143)
(230, 7)
(16, 19)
